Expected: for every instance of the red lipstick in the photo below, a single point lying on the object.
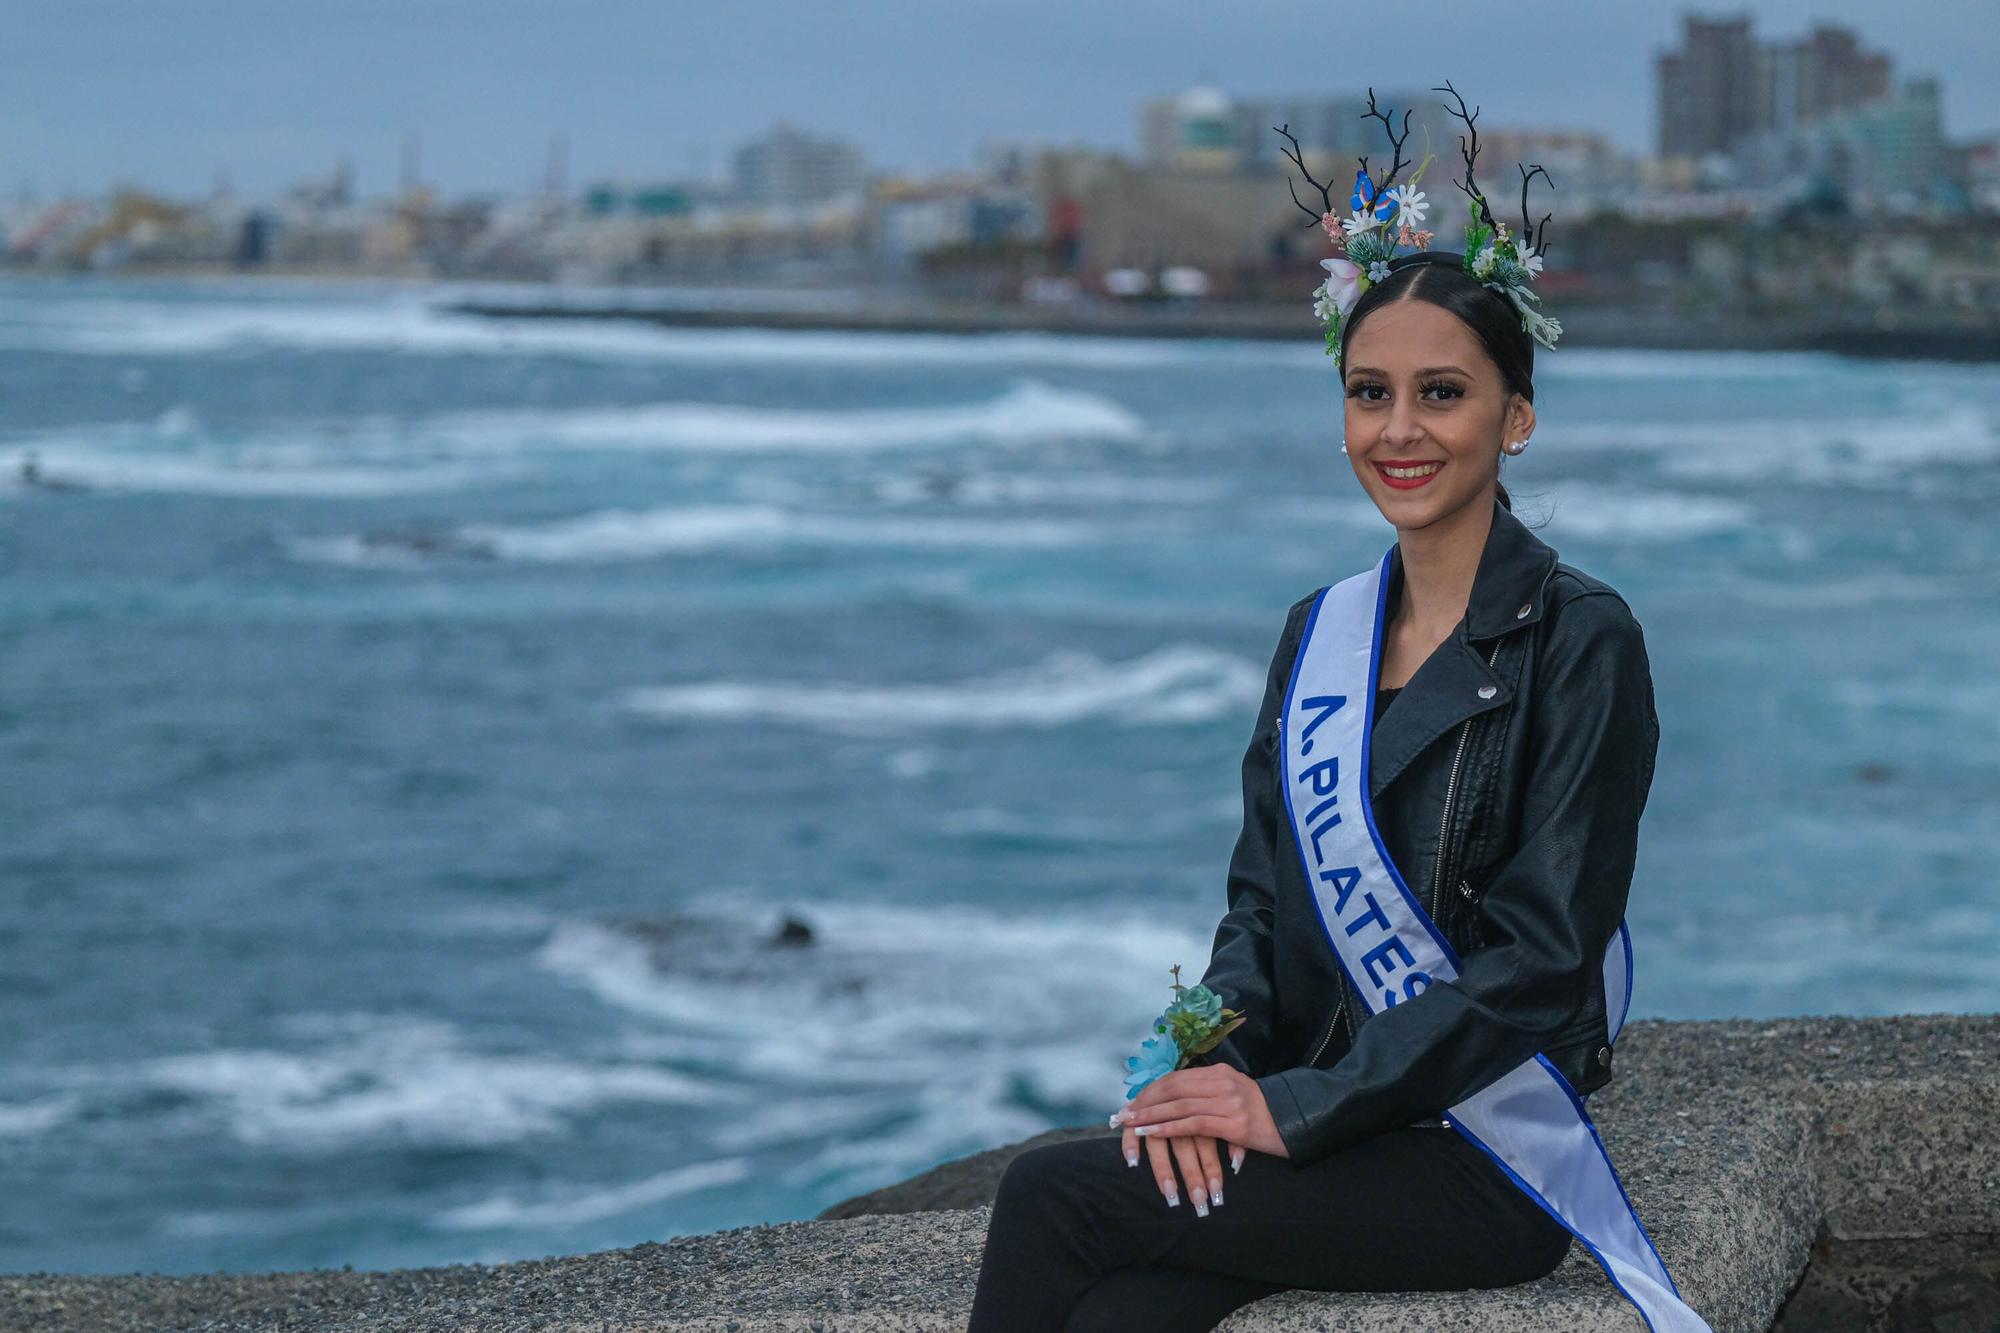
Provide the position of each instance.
(1408, 483)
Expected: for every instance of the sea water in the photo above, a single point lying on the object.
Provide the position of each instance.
(416, 728)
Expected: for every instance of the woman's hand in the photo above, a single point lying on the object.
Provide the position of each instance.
(1208, 1101)
(1200, 1163)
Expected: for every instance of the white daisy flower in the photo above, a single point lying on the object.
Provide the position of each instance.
(1360, 222)
(1527, 258)
(1323, 303)
(1410, 205)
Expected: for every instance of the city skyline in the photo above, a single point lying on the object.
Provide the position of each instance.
(485, 88)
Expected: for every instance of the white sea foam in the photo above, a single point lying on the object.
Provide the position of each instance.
(902, 1034)
(571, 1206)
(611, 535)
(1044, 488)
(1027, 411)
(1861, 589)
(63, 465)
(25, 1119)
(1867, 450)
(1620, 513)
(417, 324)
(1175, 683)
(1690, 364)
(405, 1080)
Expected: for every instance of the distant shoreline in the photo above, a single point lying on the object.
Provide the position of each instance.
(857, 310)
(1586, 327)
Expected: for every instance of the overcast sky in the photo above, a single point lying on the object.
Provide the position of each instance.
(164, 93)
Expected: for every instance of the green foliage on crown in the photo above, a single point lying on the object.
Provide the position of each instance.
(1365, 248)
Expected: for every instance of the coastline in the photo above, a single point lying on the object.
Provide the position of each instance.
(1795, 1174)
(1587, 326)
(1923, 337)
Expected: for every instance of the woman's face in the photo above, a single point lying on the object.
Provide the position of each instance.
(1422, 394)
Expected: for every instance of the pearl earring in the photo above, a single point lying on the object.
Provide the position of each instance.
(1516, 446)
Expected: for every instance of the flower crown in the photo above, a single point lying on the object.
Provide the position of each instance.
(1381, 234)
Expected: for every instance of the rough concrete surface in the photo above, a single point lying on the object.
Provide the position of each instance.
(1740, 1143)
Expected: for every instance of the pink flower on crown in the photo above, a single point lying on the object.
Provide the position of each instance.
(1343, 284)
(1424, 239)
(1330, 223)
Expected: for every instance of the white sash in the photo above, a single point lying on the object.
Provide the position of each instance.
(1531, 1121)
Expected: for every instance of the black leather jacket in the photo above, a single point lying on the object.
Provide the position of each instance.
(1514, 818)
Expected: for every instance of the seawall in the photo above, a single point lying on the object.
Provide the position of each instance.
(1824, 1174)
(1925, 338)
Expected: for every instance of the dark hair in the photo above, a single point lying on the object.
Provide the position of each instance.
(1439, 277)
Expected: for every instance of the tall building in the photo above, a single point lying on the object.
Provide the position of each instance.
(788, 167)
(1822, 75)
(1888, 153)
(1197, 130)
(1893, 146)
(1722, 86)
(1709, 89)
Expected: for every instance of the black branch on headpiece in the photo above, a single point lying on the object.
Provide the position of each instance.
(1325, 191)
(1531, 236)
(1395, 142)
(1470, 154)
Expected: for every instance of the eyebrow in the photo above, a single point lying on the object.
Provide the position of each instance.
(1427, 370)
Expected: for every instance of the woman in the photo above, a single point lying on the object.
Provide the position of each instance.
(1513, 738)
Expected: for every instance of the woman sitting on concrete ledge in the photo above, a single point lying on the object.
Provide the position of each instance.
(1426, 902)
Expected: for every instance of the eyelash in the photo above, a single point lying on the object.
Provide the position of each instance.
(1456, 392)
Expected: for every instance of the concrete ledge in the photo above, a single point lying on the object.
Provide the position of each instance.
(1742, 1143)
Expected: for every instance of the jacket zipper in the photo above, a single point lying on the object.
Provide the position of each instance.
(1450, 791)
(1437, 869)
(1339, 1007)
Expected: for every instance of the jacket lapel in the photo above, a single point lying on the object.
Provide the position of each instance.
(1507, 594)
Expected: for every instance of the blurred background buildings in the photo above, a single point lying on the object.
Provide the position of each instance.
(1787, 172)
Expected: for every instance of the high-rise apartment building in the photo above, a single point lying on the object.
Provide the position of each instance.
(1722, 86)
(789, 167)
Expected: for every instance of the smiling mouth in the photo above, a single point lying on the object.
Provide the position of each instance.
(1407, 475)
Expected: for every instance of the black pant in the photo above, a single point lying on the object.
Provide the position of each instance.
(1079, 1241)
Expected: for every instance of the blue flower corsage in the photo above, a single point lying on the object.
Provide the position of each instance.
(1194, 1024)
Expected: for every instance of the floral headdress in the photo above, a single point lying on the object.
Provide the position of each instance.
(1381, 233)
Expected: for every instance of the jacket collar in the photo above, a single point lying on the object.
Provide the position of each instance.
(1512, 569)
(1507, 594)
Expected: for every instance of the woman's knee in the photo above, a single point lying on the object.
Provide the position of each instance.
(1032, 1175)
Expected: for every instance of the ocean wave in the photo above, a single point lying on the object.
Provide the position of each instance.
(568, 1207)
(1865, 450)
(1622, 513)
(611, 535)
(1176, 683)
(1860, 589)
(986, 488)
(403, 1080)
(1636, 363)
(900, 1035)
(417, 324)
(223, 328)
(68, 468)
(1027, 411)
(27, 1119)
